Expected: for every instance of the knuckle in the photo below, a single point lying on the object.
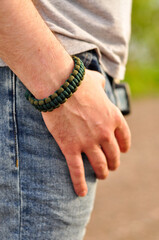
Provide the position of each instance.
(106, 136)
(77, 172)
(104, 132)
(101, 170)
(74, 165)
(79, 186)
(76, 169)
(100, 167)
(118, 120)
(118, 116)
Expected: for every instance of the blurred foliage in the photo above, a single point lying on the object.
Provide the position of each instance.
(143, 65)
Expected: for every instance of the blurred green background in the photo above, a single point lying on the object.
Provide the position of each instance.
(143, 65)
(127, 203)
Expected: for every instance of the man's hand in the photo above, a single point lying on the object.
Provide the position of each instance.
(88, 122)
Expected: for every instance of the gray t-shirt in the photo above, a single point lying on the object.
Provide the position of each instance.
(82, 25)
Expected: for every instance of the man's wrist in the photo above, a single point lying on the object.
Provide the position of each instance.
(65, 91)
(31, 50)
(50, 77)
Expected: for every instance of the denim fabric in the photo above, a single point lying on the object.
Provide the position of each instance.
(91, 62)
(37, 200)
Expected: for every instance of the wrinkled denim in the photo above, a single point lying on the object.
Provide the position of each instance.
(37, 199)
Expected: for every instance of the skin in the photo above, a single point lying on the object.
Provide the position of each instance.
(88, 122)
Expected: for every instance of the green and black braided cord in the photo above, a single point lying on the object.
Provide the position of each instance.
(63, 93)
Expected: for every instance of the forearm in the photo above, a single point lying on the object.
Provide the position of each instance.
(30, 49)
(88, 122)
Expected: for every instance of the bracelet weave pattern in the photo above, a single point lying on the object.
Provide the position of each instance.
(63, 93)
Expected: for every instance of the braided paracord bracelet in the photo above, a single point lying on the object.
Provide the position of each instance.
(63, 93)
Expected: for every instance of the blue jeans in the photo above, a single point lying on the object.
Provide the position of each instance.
(37, 200)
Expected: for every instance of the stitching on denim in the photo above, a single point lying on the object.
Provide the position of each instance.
(16, 145)
(86, 58)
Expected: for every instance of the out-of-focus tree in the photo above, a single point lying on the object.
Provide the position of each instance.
(143, 65)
